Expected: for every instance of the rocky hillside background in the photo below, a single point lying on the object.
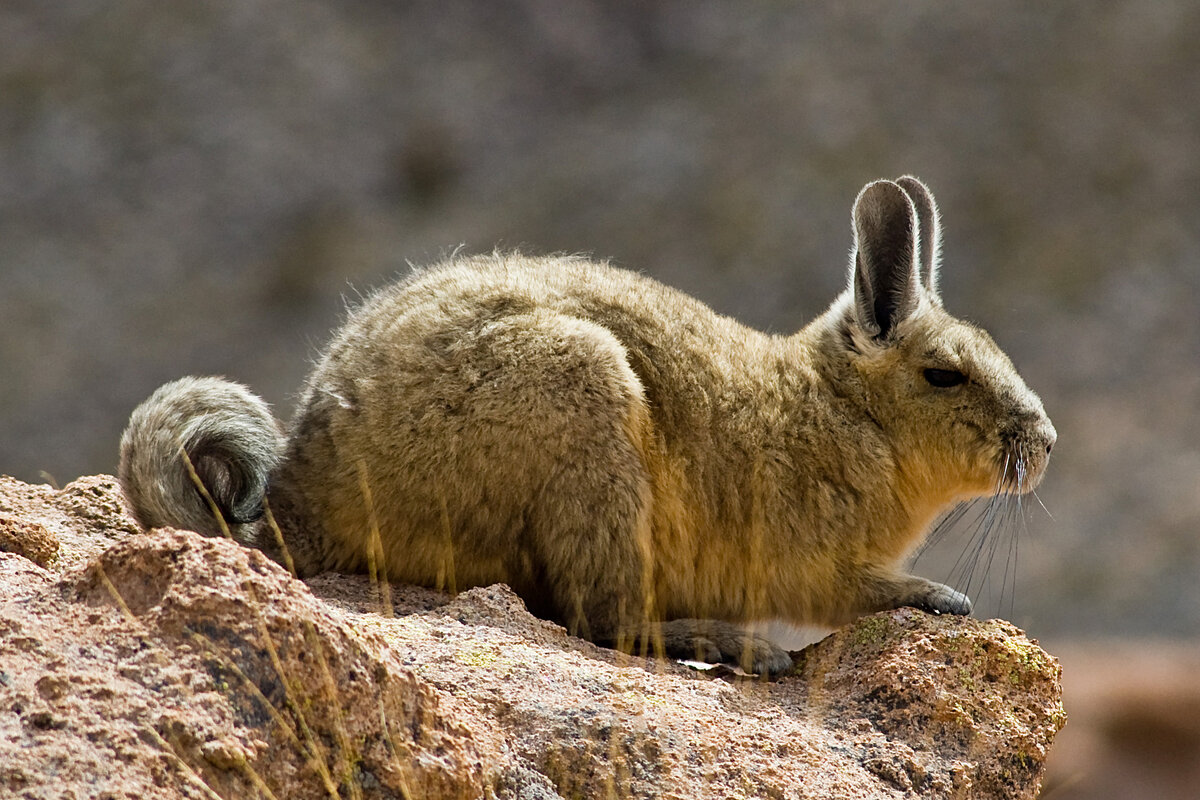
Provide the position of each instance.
(196, 188)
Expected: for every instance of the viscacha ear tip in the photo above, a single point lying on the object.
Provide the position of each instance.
(929, 227)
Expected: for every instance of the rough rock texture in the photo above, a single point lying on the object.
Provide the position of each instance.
(946, 688)
(170, 665)
(62, 529)
(176, 661)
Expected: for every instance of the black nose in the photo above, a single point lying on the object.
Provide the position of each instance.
(1049, 447)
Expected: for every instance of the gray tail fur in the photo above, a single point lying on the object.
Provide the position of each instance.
(229, 438)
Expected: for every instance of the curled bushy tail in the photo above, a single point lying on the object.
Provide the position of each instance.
(231, 440)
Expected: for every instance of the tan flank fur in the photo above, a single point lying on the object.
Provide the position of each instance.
(633, 464)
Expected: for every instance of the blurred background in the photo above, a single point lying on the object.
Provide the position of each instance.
(200, 188)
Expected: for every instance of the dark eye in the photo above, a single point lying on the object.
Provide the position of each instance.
(944, 378)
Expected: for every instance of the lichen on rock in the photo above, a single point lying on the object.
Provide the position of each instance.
(979, 694)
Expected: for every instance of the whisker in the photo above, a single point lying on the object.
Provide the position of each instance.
(1001, 523)
(1010, 565)
(966, 567)
(1012, 513)
(1043, 505)
(943, 527)
(994, 525)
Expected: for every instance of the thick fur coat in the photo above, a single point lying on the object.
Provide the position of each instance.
(630, 462)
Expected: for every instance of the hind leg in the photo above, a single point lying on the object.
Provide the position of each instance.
(496, 448)
(585, 547)
(501, 447)
(588, 552)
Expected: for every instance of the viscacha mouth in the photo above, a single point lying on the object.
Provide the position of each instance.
(1021, 470)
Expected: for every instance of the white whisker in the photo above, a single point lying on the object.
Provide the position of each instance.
(1043, 505)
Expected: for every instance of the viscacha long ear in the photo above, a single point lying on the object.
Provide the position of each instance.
(886, 291)
(929, 228)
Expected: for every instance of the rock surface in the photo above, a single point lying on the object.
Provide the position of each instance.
(170, 665)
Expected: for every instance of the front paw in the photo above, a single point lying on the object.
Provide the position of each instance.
(941, 599)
